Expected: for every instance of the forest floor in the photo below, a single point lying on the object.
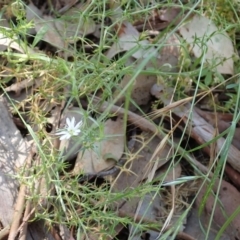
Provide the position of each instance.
(119, 120)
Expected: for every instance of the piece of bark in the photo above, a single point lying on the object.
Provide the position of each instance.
(13, 152)
(233, 175)
(222, 122)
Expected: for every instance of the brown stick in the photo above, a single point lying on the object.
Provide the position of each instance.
(18, 213)
(20, 202)
(4, 232)
(24, 225)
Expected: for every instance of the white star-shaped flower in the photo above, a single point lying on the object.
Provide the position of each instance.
(71, 129)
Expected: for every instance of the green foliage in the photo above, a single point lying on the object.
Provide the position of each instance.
(87, 207)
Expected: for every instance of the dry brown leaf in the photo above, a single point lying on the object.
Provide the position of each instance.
(229, 202)
(169, 52)
(59, 32)
(46, 24)
(32, 12)
(171, 15)
(129, 39)
(138, 167)
(172, 173)
(14, 43)
(71, 25)
(165, 59)
(208, 41)
(151, 207)
(145, 146)
(196, 223)
(140, 89)
(3, 24)
(104, 153)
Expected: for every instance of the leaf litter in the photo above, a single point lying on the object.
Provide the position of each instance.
(142, 150)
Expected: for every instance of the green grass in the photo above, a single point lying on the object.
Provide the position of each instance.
(88, 208)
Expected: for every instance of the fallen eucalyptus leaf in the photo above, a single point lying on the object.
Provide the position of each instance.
(94, 160)
(209, 42)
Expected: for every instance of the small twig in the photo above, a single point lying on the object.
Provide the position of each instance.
(27, 214)
(4, 232)
(23, 227)
(19, 86)
(18, 213)
(20, 202)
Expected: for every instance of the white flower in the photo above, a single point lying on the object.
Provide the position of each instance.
(71, 129)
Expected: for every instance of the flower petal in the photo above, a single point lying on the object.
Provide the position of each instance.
(70, 129)
(68, 121)
(66, 136)
(72, 121)
(75, 133)
(79, 124)
(63, 137)
(62, 132)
